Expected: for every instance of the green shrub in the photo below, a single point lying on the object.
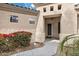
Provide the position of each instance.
(70, 49)
(22, 38)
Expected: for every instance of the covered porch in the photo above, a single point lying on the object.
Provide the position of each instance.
(52, 27)
(48, 28)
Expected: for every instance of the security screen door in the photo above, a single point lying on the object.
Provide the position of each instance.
(49, 29)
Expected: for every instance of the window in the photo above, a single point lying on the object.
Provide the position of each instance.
(51, 8)
(44, 9)
(59, 7)
(32, 20)
(14, 19)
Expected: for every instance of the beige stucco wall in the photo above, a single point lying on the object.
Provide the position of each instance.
(23, 23)
(40, 29)
(55, 12)
(68, 22)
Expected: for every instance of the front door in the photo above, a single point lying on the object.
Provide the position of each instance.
(49, 32)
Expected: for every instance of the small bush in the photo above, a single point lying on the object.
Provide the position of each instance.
(22, 38)
(70, 49)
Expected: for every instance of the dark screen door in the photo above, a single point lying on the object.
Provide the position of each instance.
(49, 29)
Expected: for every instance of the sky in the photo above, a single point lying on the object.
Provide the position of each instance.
(28, 5)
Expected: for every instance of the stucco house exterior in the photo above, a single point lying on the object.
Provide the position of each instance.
(49, 20)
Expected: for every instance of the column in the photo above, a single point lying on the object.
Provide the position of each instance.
(40, 31)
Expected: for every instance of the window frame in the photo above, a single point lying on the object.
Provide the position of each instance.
(32, 22)
(51, 8)
(13, 19)
(59, 7)
(44, 9)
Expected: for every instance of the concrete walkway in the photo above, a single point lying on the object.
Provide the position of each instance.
(48, 49)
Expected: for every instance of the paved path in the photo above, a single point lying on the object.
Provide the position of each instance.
(48, 50)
